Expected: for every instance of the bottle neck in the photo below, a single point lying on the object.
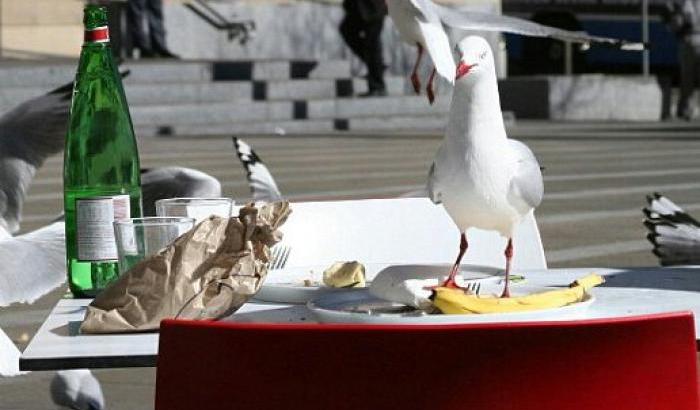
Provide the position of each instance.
(97, 35)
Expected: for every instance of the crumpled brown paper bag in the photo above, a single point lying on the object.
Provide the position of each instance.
(207, 273)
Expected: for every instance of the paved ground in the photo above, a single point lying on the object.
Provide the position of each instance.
(596, 178)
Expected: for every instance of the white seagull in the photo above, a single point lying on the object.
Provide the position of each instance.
(420, 23)
(483, 179)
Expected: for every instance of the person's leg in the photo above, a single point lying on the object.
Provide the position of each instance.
(135, 10)
(156, 27)
(696, 70)
(374, 58)
(351, 30)
(687, 78)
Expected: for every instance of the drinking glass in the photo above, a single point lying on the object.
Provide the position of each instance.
(138, 238)
(197, 208)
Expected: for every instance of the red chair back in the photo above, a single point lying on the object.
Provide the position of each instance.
(631, 363)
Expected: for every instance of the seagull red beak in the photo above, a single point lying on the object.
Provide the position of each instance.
(463, 69)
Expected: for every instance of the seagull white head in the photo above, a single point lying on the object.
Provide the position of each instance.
(476, 58)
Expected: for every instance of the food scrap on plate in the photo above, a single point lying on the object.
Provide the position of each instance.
(455, 301)
(345, 275)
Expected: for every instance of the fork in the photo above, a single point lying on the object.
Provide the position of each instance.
(278, 256)
(473, 288)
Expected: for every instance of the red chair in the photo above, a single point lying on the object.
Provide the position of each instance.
(633, 363)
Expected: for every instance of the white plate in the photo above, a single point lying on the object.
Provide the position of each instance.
(287, 285)
(351, 307)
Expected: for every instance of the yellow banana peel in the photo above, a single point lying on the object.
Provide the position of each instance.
(455, 301)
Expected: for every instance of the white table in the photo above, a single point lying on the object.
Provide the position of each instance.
(57, 344)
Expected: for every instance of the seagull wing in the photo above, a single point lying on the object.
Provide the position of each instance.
(674, 234)
(526, 185)
(433, 192)
(436, 41)
(9, 357)
(36, 128)
(262, 184)
(29, 133)
(32, 264)
(176, 182)
(433, 186)
(468, 20)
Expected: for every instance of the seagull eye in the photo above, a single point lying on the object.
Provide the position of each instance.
(482, 55)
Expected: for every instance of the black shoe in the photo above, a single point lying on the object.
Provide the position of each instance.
(165, 53)
(381, 92)
(147, 54)
(685, 115)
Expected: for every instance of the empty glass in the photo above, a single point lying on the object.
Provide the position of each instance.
(138, 238)
(197, 208)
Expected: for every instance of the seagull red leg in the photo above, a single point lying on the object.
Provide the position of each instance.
(450, 282)
(509, 256)
(415, 80)
(429, 89)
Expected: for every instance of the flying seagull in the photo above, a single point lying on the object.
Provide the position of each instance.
(34, 263)
(420, 23)
(262, 185)
(28, 134)
(483, 179)
(674, 234)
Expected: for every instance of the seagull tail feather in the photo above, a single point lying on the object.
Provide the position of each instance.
(674, 234)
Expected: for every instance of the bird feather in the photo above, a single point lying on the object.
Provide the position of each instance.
(176, 182)
(674, 234)
(527, 183)
(262, 185)
(470, 20)
(32, 264)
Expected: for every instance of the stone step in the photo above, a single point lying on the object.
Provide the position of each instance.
(432, 123)
(280, 127)
(412, 123)
(161, 116)
(222, 91)
(35, 74)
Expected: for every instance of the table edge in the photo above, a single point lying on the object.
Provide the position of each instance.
(95, 362)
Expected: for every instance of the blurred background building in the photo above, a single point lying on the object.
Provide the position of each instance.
(225, 41)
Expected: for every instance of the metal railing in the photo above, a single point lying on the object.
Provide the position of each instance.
(236, 29)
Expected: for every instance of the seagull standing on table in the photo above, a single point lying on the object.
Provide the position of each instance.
(420, 23)
(483, 179)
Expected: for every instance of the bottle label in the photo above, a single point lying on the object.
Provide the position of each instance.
(94, 218)
(97, 35)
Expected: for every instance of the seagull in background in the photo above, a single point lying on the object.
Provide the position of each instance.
(674, 234)
(420, 23)
(175, 182)
(483, 179)
(262, 185)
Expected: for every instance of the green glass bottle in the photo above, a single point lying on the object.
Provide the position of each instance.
(101, 179)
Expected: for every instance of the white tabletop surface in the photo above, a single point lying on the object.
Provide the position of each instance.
(58, 345)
